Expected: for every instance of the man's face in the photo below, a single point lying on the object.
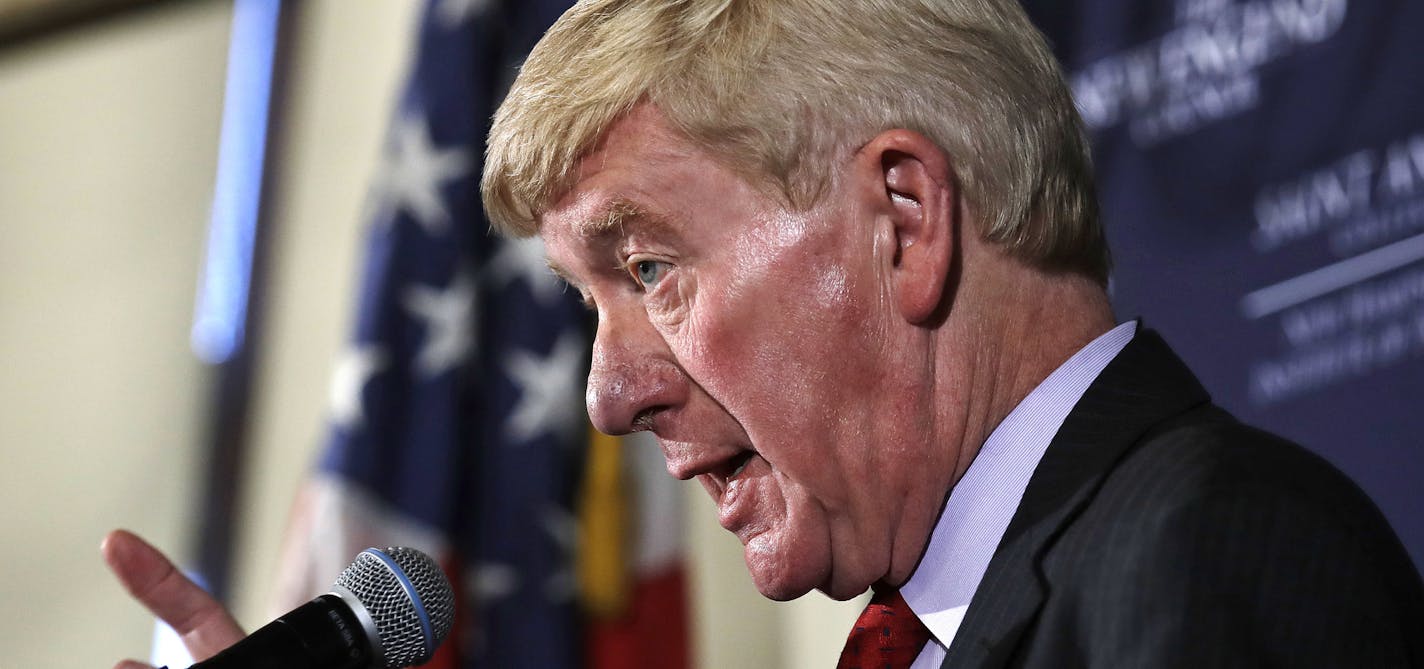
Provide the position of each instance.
(749, 338)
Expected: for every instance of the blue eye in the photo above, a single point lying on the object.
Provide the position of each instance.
(649, 272)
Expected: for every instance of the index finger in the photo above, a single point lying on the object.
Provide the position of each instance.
(203, 624)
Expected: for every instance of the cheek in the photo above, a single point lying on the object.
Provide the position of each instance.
(783, 349)
(689, 315)
(669, 308)
(810, 332)
(831, 289)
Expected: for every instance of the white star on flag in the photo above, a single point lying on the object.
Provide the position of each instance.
(524, 258)
(562, 527)
(413, 173)
(357, 365)
(550, 389)
(492, 580)
(448, 316)
(453, 13)
(486, 583)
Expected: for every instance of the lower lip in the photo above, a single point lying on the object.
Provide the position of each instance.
(733, 507)
(728, 509)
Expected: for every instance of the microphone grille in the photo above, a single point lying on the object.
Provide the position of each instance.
(408, 598)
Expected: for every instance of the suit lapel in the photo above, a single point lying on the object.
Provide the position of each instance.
(1145, 384)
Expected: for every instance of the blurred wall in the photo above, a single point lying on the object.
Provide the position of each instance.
(108, 142)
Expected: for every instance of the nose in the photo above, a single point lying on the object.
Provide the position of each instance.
(632, 376)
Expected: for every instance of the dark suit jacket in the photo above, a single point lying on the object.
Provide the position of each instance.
(1157, 531)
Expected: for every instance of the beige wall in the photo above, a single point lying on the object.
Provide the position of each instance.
(107, 143)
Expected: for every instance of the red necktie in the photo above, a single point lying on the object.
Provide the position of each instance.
(886, 636)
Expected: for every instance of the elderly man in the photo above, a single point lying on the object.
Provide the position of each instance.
(846, 265)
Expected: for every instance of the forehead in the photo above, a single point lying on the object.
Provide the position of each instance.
(618, 182)
(644, 178)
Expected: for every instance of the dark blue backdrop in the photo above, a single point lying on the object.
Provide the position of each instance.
(1261, 167)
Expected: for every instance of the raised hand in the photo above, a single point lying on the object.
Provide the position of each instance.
(203, 624)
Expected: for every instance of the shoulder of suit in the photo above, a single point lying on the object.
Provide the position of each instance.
(1204, 469)
(1207, 527)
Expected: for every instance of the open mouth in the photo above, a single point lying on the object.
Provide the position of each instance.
(738, 463)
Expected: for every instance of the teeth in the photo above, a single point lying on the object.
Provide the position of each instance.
(740, 467)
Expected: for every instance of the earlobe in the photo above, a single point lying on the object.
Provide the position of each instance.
(919, 199)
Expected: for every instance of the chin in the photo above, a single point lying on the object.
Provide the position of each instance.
(842, 592)
(780, 577)
(775, 584)
(780, 593)
(780, 586)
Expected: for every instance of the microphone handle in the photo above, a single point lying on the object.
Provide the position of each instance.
(321, 634)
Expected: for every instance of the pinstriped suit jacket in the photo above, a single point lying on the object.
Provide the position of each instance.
(1157, 531)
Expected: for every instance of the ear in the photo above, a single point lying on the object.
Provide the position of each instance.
(913, 192)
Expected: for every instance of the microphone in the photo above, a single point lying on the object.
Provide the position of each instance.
(389, 609)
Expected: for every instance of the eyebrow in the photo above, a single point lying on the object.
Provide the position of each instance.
(612, 216)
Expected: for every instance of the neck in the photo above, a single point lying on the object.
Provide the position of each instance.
(1023, 325)
(1009, 327)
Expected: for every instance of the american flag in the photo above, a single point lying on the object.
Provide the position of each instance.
(457, 418)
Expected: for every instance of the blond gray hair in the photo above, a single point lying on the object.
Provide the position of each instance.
(778, 90)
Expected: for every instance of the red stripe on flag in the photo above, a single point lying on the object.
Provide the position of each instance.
(653, 631)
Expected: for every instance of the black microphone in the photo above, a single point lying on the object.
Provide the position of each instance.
(389, 609)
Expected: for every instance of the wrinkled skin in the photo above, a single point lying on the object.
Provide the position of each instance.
(765, 347)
